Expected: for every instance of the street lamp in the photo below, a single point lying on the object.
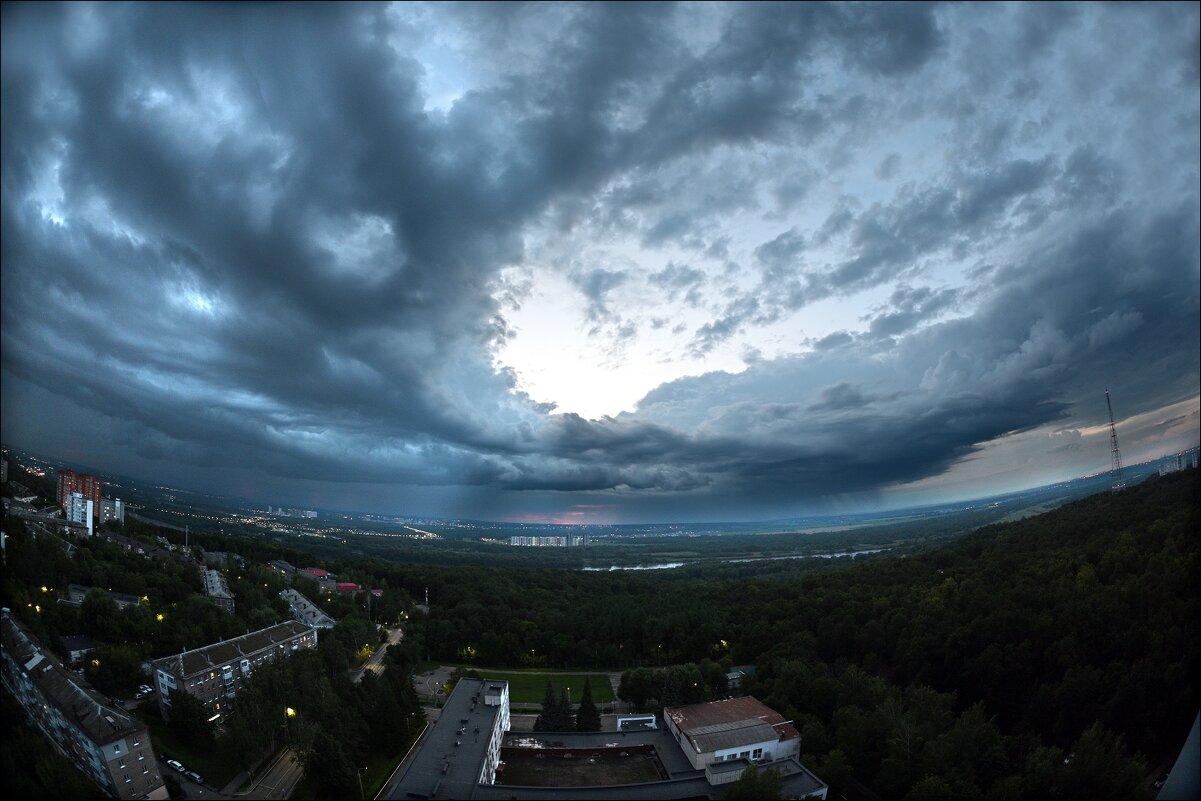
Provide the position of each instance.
(361, 793)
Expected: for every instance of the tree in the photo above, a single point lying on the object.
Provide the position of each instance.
(1099, 766)
(189, 718)
(545, 721)
(588, 717)
(563, 717)
(756, 783)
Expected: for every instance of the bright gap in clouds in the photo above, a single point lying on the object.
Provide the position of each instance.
(562, 355)
(557, 360)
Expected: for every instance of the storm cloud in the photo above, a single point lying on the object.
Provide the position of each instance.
(298, 252)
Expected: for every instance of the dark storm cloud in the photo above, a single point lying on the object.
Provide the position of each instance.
(242, 235)
(909, 307)
(887, 242)
(1105, 302)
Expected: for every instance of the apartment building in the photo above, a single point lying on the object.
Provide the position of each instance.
(106, 743)
(214, 673)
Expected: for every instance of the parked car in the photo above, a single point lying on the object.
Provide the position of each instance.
(146, 688)
(171, 763)
(194, 776)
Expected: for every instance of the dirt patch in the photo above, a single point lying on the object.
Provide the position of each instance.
(580, 767)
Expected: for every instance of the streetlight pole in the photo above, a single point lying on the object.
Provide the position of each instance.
(360, 775)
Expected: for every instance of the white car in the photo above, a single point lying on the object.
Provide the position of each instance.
(171, 763)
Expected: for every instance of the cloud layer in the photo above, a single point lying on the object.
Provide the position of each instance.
(861, 241)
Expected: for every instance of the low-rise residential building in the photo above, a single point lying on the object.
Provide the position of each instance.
(307, 612)
(735, 728)
(223, 559)
(76, 647)
(216, 588)
(214, 673)
(77, 592)
(106, 743)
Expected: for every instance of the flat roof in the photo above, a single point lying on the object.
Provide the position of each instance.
(448, 764)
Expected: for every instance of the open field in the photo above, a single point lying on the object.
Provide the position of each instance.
(528, 688)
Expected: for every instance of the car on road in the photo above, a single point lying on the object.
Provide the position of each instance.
(171, 763)
(194, 776)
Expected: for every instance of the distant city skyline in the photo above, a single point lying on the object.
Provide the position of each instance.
(600, 263)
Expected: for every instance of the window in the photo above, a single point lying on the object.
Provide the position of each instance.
(757, 754)
(145, 770)
(116, 748)
(745, 754)
(140, 757)
(127, 779)
(121, 764)
(136, 741)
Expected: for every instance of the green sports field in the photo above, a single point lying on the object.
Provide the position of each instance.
(528, 688)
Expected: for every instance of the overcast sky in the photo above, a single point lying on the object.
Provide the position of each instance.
(600, 263)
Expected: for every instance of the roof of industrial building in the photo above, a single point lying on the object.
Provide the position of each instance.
(730, 723)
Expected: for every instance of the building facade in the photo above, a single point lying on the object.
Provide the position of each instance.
(102, 740)
(305, 611)
(79, 509)
(88, 486)
(112, 509)
(214, 673)
(216, 588)
(735, 728)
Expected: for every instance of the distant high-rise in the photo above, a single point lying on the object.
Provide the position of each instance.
(112, 509)
(79, 509)
(90, 487)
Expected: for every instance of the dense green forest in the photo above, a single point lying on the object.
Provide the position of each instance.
(1055, 656)
(978, 665)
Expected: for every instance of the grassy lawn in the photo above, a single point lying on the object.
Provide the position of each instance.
(528, 688)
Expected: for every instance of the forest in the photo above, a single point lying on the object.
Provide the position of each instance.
(972, 668)
(1054, 656)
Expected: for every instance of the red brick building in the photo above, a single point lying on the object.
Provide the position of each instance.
(90, 487)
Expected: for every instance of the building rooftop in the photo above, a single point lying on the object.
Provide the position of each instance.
(306, 611)
(448, 763)
(222, 653)
(76, 642)
(732, 719)
(101, 719)
(214, 584)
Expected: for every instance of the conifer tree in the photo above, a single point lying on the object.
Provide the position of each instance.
(546, 720)
(588, 717)
(563, 716)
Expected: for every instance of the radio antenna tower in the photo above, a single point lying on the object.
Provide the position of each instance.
(1115, 451)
